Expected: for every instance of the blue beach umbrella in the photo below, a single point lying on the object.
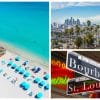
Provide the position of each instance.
(17, 69)
(21, 71)
(37, 80)
(13, 66)
(17, 58)
(22, 84)
(25, 85)
(10, 63)
(46, 87)
(41, 84)
(46, 77)
(39, 95)
(26, 74)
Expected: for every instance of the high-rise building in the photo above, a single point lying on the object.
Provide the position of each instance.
(55, 25)
(78, 22)
(72, 22)
(68, 23)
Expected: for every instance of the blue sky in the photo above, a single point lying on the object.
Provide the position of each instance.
(82, 10)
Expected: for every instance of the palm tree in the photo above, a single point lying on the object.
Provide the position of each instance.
(85, 40)
(77, 29)
(69, 32)
(89, 39)
(98, 26)
(78, 42)
(97, 34)
(91, 28)
(53, 44)
(66, 31)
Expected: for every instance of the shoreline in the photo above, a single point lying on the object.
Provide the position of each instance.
(28, 56)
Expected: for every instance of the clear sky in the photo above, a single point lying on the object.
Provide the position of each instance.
(82, 10)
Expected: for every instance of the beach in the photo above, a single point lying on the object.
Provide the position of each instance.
(11, 53)
(24, 34)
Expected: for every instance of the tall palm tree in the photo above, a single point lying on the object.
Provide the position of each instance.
(77, 29)
(85, 39)
(78, 42)
(89, 40)
(71, 30)
(69, 33)
(66, 32)
(97, 34)
(91, 28)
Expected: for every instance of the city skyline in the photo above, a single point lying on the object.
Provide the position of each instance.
(79, 10)
(67, 24)
(73, 20)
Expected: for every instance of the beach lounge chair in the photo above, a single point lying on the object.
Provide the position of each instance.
(41, 84)
(46, 87)
(39, 95)
(36, 80)
(46, 77)
(33, 69)
(37, 70)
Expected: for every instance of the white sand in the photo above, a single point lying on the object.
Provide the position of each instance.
(13, 91)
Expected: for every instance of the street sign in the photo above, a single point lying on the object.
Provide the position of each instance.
(84, 65)
(82, 84)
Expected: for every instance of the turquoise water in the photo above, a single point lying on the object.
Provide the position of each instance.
(26, 26)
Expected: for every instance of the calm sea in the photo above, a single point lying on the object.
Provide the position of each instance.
(26, 26)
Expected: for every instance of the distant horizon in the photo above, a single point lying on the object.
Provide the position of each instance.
(78, 10)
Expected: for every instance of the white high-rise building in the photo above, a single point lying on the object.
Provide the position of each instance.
(72, 22)
(78, 22)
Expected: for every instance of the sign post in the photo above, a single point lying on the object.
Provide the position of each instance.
(84, 65)
(82, 84)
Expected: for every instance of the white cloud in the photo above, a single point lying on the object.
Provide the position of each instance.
(93, 19)
(60, 5)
